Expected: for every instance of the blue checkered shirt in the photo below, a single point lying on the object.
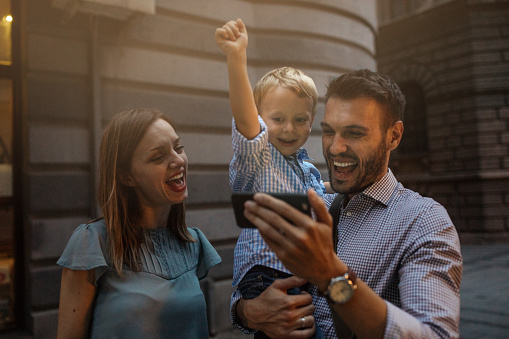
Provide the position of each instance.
(257, 166)
(406, 248)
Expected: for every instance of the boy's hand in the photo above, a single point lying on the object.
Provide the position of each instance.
(232, 37)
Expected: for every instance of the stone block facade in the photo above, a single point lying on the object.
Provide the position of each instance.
(457, 53)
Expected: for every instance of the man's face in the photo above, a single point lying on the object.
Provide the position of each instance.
(354, 146)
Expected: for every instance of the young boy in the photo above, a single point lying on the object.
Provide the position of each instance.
(270, 126)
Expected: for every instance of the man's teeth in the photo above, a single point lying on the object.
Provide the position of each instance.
(344, 164)
(178, 176)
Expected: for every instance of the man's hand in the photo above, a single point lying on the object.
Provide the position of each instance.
(301, 243)
(278, 314)
(232, 37)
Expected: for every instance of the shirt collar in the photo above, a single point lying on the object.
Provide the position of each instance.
(302, 154)
(382, 189)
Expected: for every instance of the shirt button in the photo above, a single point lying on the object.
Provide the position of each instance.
(348, 214)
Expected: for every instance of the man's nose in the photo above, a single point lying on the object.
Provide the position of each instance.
(338, 145)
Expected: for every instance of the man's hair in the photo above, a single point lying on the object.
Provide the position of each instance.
(288, 77)
(367, 84)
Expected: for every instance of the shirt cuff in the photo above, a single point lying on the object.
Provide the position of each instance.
(400, 324)
(247, 147)
(234, 318)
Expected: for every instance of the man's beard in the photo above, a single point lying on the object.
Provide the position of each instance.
(370, 170)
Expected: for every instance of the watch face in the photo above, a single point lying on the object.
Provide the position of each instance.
(341, 291)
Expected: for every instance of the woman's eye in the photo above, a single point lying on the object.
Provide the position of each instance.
(157, 158)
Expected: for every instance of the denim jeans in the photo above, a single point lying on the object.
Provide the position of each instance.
(257, 279)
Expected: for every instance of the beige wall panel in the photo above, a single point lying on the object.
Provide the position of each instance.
(364, 8)
(207, 149)
(318, 53)
(58, 144)
(134, 64)
(51, 235)
(50, 53)
(184, 109)
(218, 307)
(220, 10)
(314, 148)
(208, 187)
(44, 324)
(223, 10)
(169, 31)
(216, 224)
(320, 23)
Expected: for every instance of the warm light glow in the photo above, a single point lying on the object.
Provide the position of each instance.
(8, 18)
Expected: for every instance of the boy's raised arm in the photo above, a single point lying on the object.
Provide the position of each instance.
(232, 39)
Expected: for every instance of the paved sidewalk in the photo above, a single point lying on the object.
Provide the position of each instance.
(484, 294)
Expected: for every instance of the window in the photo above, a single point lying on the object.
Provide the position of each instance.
(415, 139)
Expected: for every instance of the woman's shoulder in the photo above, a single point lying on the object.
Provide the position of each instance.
(87, 247)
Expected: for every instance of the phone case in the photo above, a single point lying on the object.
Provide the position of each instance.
(297, 200)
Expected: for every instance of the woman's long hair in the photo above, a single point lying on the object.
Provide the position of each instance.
(119, 202)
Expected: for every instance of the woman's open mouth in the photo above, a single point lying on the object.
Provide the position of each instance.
(177, 182)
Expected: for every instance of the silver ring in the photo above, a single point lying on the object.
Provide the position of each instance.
(302, 322)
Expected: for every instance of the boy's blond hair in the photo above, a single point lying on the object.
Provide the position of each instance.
(287, 77)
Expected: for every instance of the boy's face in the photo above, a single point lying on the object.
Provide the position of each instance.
(288, 119)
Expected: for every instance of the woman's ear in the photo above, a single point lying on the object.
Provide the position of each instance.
(125, 178)
(395, 134)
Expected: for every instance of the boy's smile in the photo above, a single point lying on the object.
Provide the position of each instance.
(288, 118)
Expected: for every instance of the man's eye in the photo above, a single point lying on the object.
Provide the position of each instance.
(327, 132)
(179, 149)
(356, 134)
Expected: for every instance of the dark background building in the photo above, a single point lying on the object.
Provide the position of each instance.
(451, 58)
(66, 66)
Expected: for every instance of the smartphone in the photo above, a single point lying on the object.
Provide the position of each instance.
(297, 200)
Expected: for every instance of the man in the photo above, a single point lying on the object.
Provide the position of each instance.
(396, 269)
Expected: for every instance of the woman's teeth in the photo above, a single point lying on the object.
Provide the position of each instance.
(175, 177)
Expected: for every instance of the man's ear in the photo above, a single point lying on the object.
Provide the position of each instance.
(125, 178)
(394, 135)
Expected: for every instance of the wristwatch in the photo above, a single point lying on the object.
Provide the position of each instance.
(342, 288)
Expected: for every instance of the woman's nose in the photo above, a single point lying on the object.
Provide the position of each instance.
(177, 160)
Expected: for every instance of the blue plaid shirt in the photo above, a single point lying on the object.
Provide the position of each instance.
(406, 248)
(257, 166)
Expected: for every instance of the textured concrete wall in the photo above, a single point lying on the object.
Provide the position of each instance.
(458, 54)
(168, 61)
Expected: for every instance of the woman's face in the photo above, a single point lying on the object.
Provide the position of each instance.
(158, 168)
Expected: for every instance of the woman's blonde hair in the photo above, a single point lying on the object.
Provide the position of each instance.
(287, 77)
(119, 202)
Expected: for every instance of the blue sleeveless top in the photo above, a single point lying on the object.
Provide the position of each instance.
(162, 300)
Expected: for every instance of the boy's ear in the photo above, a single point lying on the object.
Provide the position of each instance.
(125, 178)
(394, 135)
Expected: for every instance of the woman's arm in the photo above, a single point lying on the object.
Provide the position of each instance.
(77, 293)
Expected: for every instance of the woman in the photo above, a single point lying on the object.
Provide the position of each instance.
(134, 273)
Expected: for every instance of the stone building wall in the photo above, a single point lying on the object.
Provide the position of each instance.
(457, 53)
(78, 70)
